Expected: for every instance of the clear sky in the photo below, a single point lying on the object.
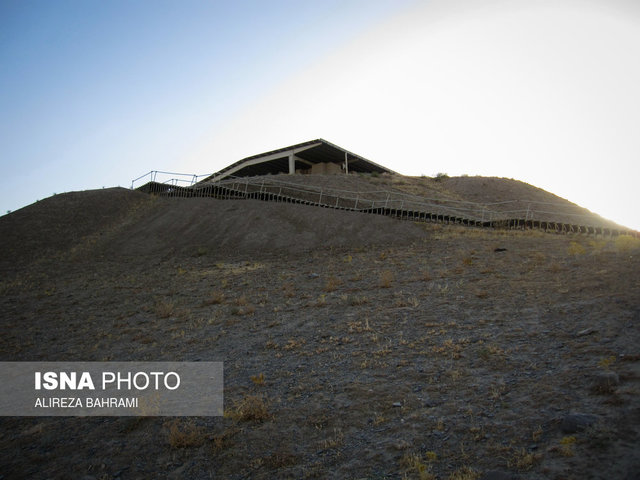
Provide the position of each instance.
(96, 93)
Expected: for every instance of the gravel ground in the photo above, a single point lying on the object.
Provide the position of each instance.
(394, 350)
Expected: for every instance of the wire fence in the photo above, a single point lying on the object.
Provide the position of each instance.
(510, 214)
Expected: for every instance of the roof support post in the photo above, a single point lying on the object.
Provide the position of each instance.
(346, 163)
(292, 164)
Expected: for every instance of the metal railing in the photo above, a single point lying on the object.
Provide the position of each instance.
(175, 178)
(531, 214)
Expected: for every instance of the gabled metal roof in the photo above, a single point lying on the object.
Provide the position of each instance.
(305, 155)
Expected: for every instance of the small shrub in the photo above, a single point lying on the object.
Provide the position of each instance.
(441, 176)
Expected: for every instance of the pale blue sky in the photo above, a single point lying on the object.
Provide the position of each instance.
(96, 93)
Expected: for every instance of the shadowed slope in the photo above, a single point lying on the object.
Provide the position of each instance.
(125, 223)
(59, 222)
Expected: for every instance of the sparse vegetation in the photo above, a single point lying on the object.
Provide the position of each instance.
(464, 473)
(576, 248)
(386, 278)
(258, 379)
(184, 433)
(627, 243)
(464, 360)
(252, 408)
(215, 298)
(524, 460)
(566, 446)
(165, 309)
(413, 463)
(332, 284)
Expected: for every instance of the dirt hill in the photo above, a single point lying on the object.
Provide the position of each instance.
(354, 345)
(512, 197)
(127, 223)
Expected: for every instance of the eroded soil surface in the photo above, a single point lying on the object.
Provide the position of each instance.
(426, 354)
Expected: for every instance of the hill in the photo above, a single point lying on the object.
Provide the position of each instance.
(354, 345)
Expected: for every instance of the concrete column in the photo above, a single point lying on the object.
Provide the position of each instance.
(292, 164)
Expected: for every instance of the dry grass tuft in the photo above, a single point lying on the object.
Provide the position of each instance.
(252, 408)
(566, 446)
(386, 278)
(576, 249)
(289, 290)
(335, 440)
(332, 284)
(184, 433)
(241, 301)
(358, 300)
(258, 379)
(216, 298)
(464, 473)
(165, 309)
(413, 463)
(280, 458)
(224, 440)
(523, 460)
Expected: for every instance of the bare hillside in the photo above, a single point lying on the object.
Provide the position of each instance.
(354, 345)
(490, 197)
